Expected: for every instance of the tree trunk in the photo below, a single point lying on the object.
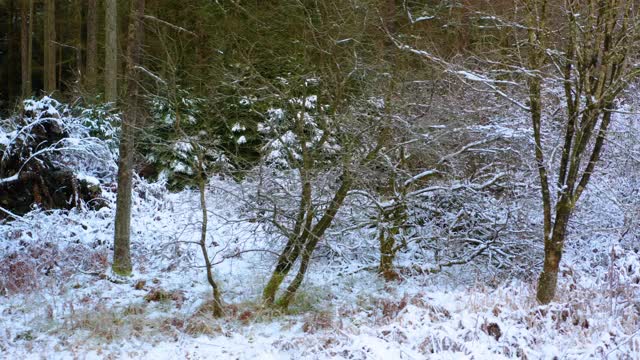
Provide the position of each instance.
(13, 58)
(122, 255)
(289, 294)
(316, 234)
(299, 236)
(92, 46)
(26, 46)
(111, 51)
(387, 255)
(77, 15)
(285, 262)
(217, 301)
(553, 246)
(49, 46)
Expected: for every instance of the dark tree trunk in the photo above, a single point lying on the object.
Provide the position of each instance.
(387, 255)
(285, 262)
(122, 252)
(296, 240)
(26, 28)
(92, 46)
(49, 47)
(12, 55)
(111, 51)
(77, 14)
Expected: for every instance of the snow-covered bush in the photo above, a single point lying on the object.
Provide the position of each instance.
(50, 158)
(179, 139)
(103, 122)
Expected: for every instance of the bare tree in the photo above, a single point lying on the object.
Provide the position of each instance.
(26, 45)
(111, 51)
(92, 45)
(584, 49)
(202, 187)
(593, 63)
(132, 115)
(49, 46)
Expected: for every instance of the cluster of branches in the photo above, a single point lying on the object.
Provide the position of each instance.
(334, 103)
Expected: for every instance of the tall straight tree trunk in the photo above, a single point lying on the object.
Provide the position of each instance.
(111, 51)
(12, 56)
(122, 252)
(26, 46)
(92, 46)
(49, 46)
(77, 14)
(388, 233)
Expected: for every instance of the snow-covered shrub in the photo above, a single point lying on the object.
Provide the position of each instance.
(179, 139)
(50, 157)
(103, 122)
(50, 249)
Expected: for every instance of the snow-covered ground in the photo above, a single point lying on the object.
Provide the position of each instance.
(61, 302)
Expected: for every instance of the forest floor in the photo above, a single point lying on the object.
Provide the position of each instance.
(60, 301)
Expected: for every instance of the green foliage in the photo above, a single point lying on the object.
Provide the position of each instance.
(103, 122)
(178, 143)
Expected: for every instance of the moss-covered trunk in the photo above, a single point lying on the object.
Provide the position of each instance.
(548, 281)
(387, 254)
(315, 235)
(285, 262)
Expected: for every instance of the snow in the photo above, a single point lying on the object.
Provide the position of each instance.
(62, 302)
(310, 102)
(88, 178)
(245, 101)
(5, 137)
(183, 147)
(237, 127)
(9, 179)
(437, 316)
(181, 167)
(275, 114)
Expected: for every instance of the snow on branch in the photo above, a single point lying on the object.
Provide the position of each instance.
(17, 217)
(423, 174)
(465, 75)
(466, 148)
(166, 23)
(459, 186)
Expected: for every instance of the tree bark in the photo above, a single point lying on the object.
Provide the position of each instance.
(92, 46)
(301, 230)
(548, 281)
(111, 51)
(387, 254)
(122, 253)
(12, 56)
(49, 46)
(292, 249)
(217, 301)
(77, 15)
(26, 44)
(316, 234)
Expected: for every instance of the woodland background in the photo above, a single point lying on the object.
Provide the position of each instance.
(319, 179)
